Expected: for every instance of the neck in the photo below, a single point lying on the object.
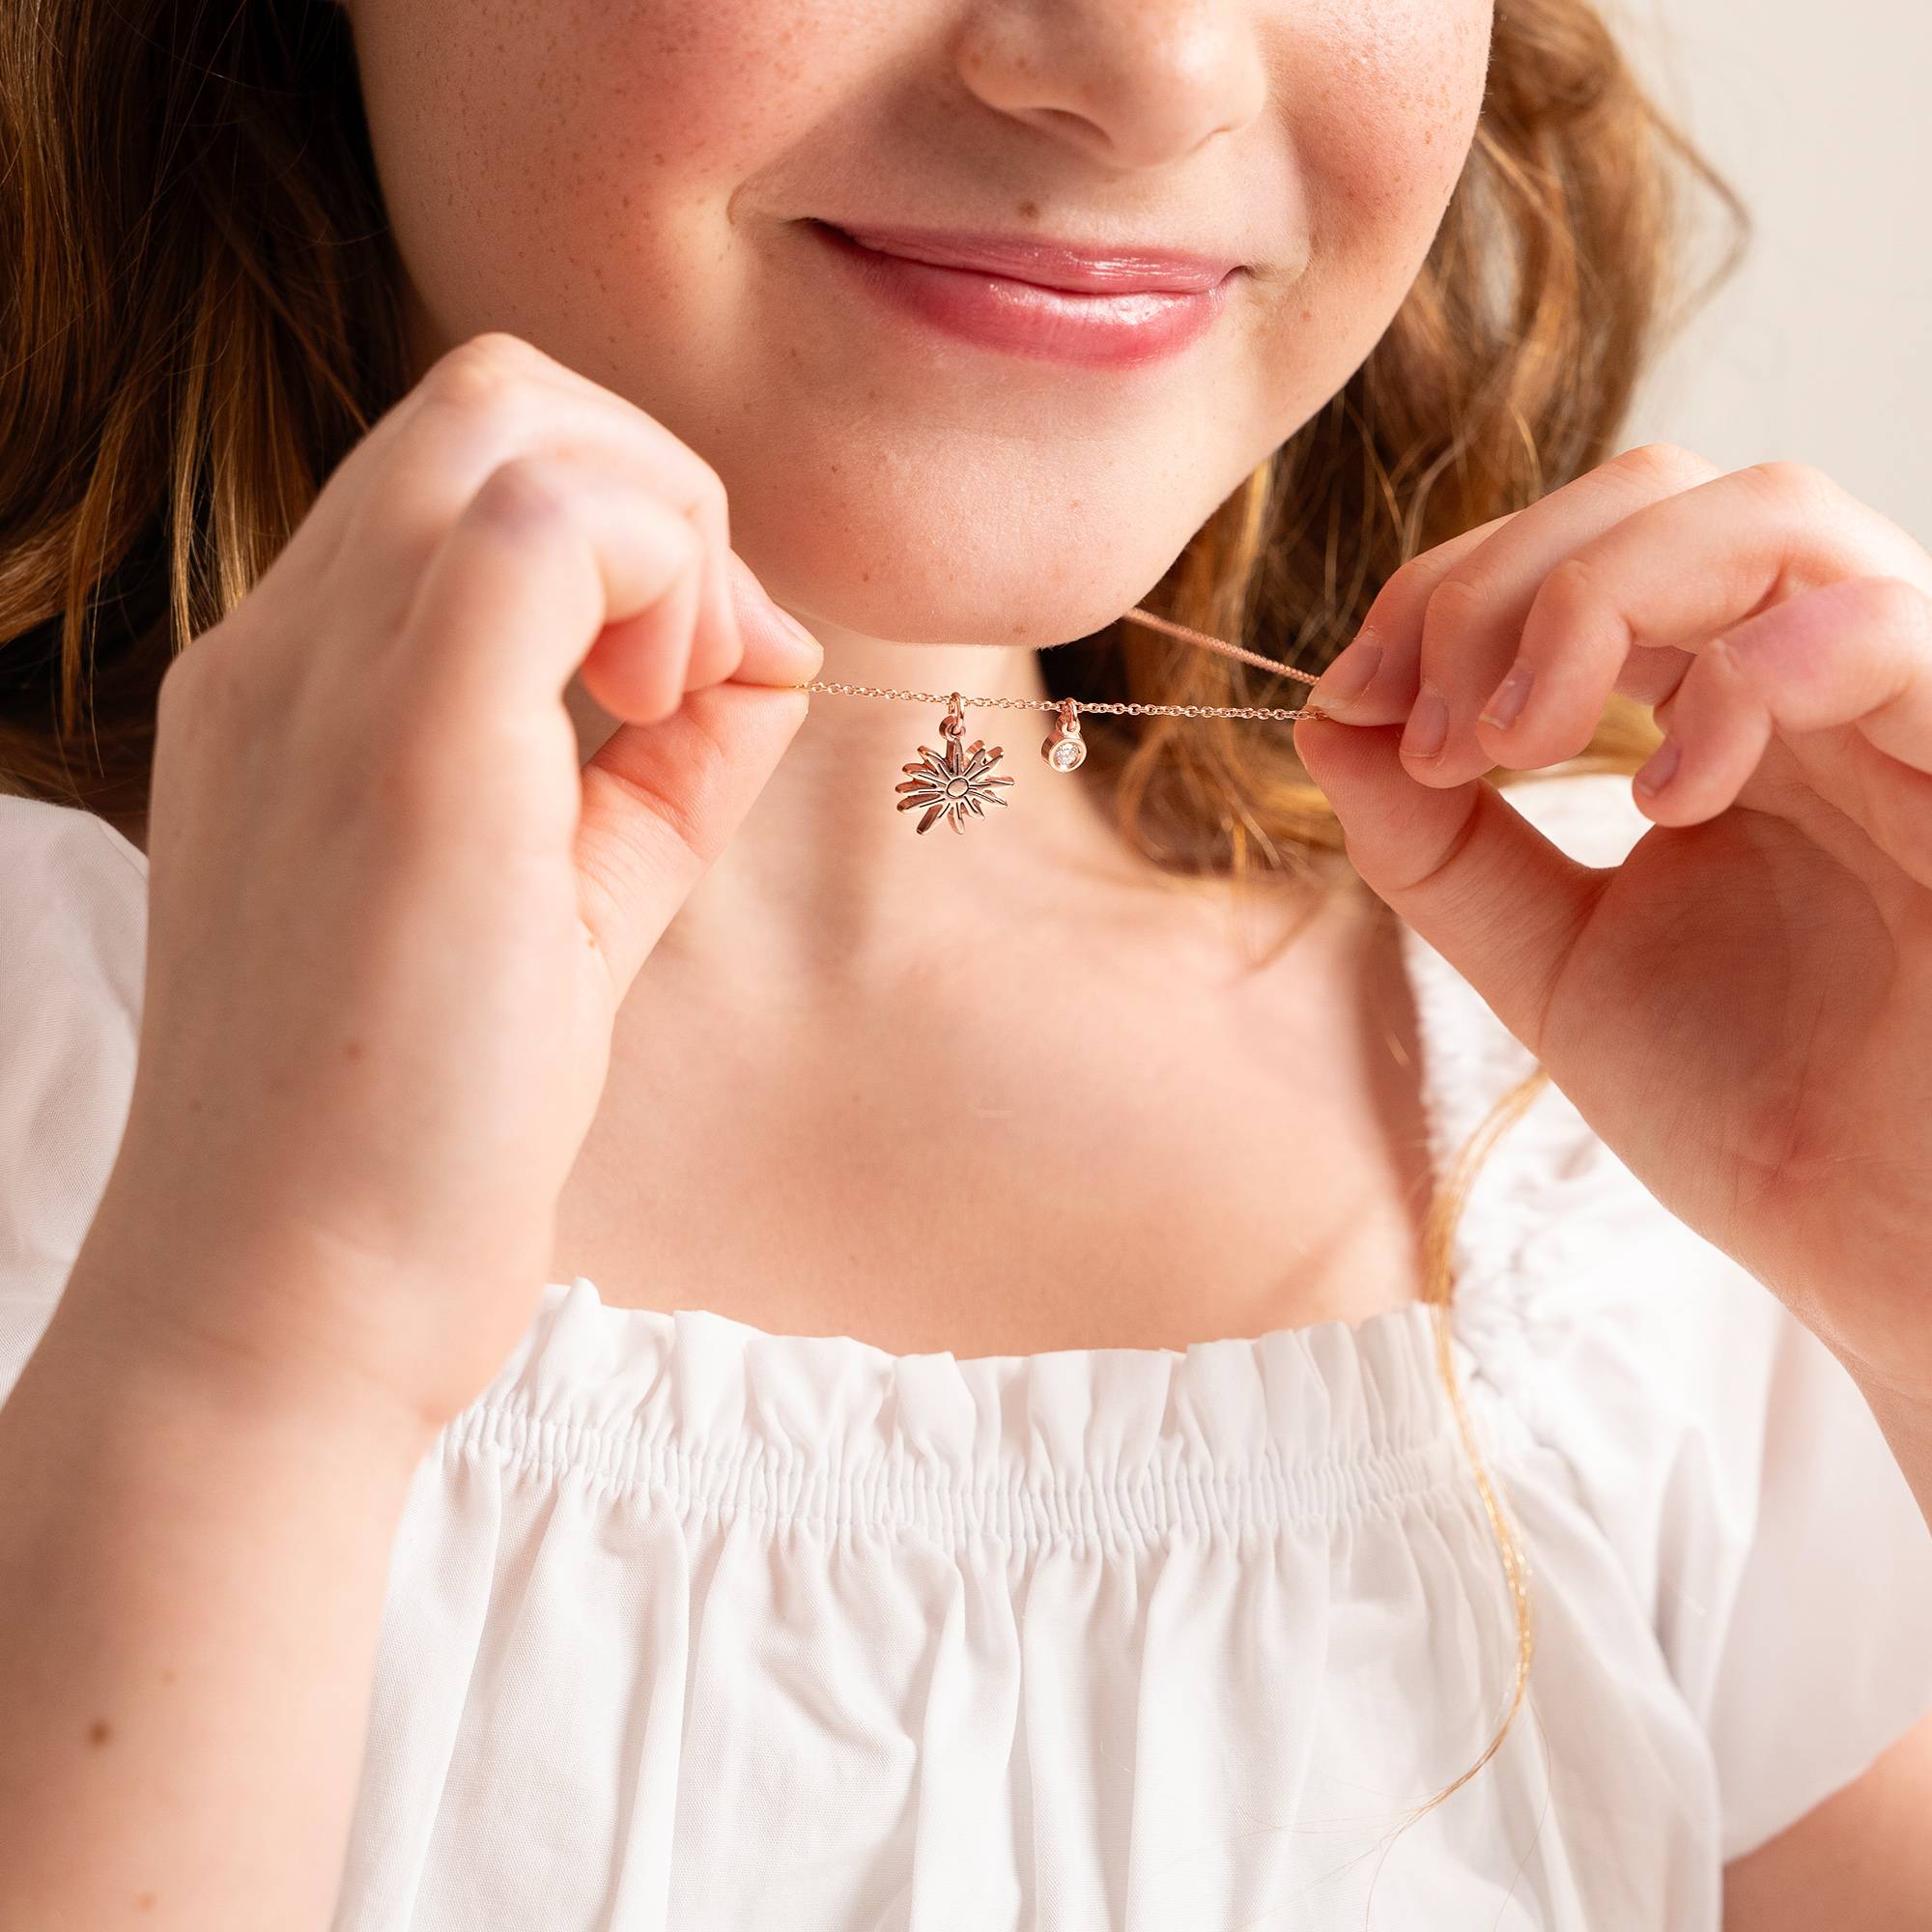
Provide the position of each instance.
(826, 873)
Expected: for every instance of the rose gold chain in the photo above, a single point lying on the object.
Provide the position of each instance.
(1138, 616)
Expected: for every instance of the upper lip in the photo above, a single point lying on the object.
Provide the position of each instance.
(1106, 267)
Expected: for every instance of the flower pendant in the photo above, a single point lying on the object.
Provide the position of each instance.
(953, 782)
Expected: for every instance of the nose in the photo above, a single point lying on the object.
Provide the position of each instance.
(1131, 83)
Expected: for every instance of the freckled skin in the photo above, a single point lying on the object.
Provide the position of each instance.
(622, 185)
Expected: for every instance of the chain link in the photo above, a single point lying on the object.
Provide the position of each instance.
(1113, 705)
(1134, 616)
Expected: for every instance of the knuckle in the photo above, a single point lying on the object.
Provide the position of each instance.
(1402, 598)
(1456, 603)
(479, 375)
(523, 493)
(1901, 608)
(1667, 466)
(713, 500)
(1787, 483)
(1570, 586)
(199, 684)
(174, 696)
(1402, 601)
(1575, 574)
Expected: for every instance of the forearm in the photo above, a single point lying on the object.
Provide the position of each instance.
(191, 1580)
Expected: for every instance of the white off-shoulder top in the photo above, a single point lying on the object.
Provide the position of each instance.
(690, 1624)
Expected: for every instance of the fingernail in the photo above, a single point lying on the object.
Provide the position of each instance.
(1349, 675)
(810, 652)
(790, 637)
(1506, 701)
(1428, 725)
(1662, 766)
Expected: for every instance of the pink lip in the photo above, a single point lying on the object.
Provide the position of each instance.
(1051, 265)
(1092, 306)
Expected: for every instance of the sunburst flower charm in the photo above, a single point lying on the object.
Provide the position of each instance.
(953, 782)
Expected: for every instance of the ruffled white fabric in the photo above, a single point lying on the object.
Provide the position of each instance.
(690, 1624)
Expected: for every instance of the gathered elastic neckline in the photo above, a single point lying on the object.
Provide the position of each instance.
(713, 1417)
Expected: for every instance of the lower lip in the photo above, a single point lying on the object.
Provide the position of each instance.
(1099, 330)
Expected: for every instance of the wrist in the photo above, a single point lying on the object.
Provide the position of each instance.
(125, 1343)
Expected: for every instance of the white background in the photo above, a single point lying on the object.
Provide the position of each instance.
(1817, 348)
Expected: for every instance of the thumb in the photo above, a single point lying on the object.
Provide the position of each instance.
(662, 799)
(1501, 902)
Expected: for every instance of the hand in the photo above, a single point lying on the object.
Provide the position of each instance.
(391, 920)
(1742, 1010)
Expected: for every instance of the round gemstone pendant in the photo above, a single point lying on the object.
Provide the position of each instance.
(1062, 748)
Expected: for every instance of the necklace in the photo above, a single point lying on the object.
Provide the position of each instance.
(951, 784)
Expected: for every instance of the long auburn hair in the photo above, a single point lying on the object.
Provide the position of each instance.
(201, 319)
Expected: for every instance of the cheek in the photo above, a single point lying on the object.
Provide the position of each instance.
(1388, 129)
(1381, 103)
(590, 140)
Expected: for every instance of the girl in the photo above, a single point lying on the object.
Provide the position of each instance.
(1318, 1326)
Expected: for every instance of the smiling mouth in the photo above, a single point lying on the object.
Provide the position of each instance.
(1066, 269)
(1106, 328)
